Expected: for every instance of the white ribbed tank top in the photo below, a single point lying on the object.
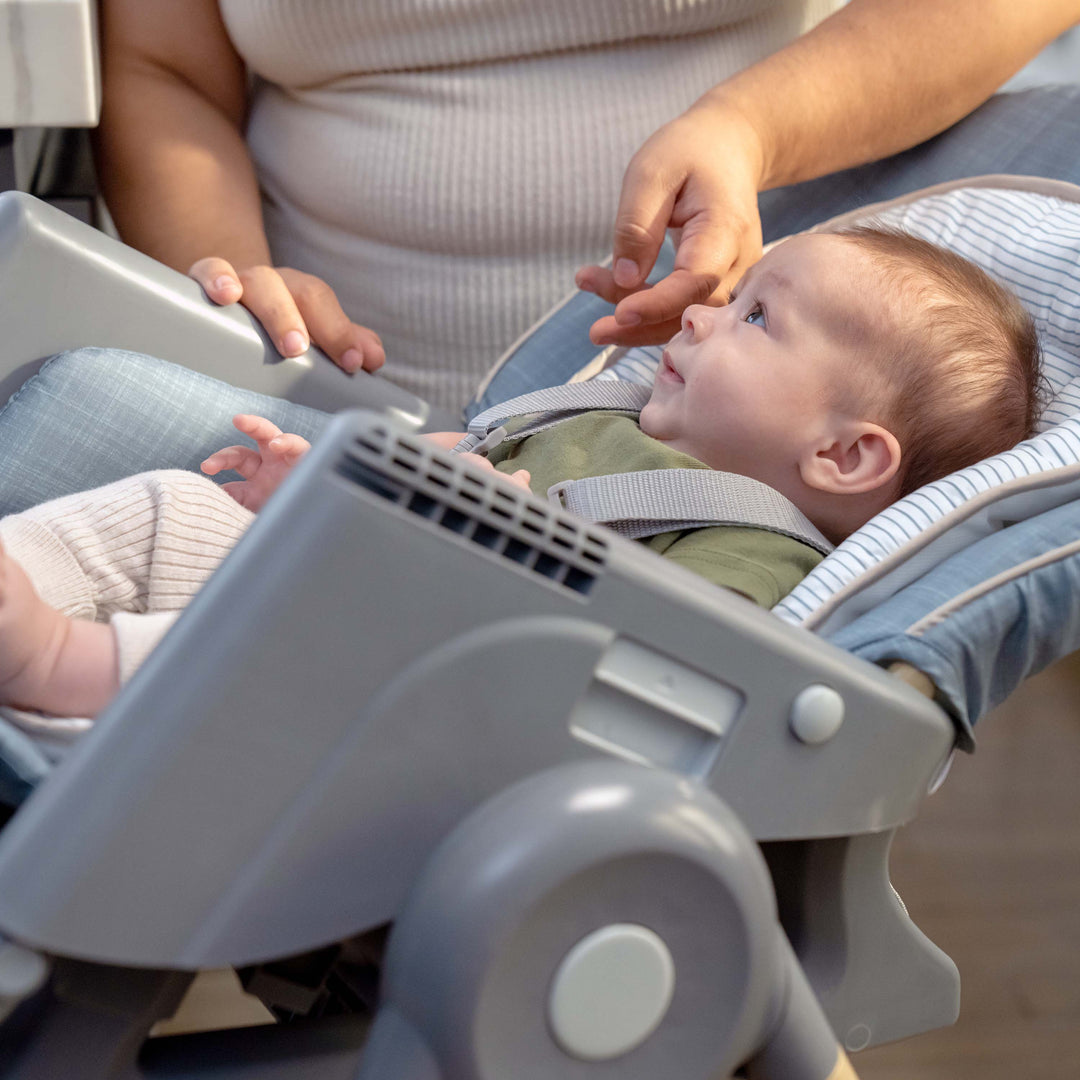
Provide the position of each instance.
(446, 165)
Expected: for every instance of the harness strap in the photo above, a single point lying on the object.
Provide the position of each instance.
(640, 504)
(554, 404)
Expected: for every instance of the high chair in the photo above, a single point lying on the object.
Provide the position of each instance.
(621, 824)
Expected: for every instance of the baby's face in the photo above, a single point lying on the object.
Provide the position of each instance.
(747, 387)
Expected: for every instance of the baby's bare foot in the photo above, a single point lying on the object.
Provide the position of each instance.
(32, 636)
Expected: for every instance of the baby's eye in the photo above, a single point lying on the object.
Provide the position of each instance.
(755, 316)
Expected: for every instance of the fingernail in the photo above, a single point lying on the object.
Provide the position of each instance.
(627, 318)
(626, 273)
(582, 282)
(226, 284)
(293, 343)
(352, 360)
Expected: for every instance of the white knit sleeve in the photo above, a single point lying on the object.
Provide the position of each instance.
(137, 636)
(147, 543)
(132, 553)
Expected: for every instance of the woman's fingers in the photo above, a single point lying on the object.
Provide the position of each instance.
(263, 292)
(348, 344)
(607, 331)
(218, 278)
(267, 297)
(295, 309)
(646, 205)
(669, 297)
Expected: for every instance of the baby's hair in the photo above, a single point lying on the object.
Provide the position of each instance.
(965, 380)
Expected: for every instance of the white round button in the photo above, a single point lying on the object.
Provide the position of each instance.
(611, 992)
(816, 714)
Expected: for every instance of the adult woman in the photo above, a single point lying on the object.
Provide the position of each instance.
(442, 167)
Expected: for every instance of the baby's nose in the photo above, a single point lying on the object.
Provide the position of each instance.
(696, 321)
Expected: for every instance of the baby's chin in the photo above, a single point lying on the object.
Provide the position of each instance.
(646, 419)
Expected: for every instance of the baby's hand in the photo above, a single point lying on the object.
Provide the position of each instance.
(264, 469)
(521, 478)
(449, 439)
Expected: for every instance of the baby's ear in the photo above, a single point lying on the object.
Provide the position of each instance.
(859, 457)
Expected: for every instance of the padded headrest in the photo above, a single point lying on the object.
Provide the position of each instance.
(1026, 233)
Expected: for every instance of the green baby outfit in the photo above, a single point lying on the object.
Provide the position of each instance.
(763, 565)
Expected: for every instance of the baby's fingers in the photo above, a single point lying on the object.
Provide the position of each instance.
(522, 478)
(289, 448)
(241, 492)
(241, 458)
(256, 427)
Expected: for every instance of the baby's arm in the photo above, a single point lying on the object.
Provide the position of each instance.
(446, 439)
(263, 469)
(48, 661)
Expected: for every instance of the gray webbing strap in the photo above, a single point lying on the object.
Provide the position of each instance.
(555, 404)
(641, 504)
(652, 501)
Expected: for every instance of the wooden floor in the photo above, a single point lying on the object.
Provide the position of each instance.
(991, 872)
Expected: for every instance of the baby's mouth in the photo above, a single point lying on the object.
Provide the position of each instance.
(668, 369)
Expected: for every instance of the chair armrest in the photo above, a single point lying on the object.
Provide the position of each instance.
(64, 284)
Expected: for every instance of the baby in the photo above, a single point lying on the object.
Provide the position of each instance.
(847, 370)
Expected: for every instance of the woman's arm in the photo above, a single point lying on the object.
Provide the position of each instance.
(876, 77)
(171, 156)
(178, 179)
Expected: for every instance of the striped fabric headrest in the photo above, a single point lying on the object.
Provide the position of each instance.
(1026, 233)
(1030, 240)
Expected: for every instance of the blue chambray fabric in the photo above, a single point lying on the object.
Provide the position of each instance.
(1013, 607)
(91, 416)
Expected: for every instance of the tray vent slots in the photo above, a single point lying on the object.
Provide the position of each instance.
(410, 473)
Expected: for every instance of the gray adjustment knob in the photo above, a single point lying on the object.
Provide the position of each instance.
(611, 992)
(816, 714)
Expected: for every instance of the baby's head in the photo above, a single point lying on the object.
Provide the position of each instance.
(849, 369)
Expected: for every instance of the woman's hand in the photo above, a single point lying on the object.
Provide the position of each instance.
(295, 309)
(699, 174)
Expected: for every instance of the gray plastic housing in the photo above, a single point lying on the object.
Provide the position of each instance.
(397, 639)
(64, 285)
(539, 866)
(273, 781)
